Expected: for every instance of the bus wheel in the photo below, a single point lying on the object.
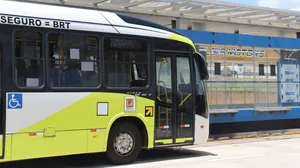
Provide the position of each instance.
(124, 143)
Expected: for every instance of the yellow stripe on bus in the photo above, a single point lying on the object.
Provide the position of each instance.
(70, 128)
(164, 141)
(183, 39)
(182, 140)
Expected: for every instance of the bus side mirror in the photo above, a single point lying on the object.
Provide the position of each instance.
(202, 66)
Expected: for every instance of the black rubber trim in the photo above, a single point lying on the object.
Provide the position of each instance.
(253, 126)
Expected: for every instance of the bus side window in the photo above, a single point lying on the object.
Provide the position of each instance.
(201, 108)
(73, 60)
(126, 63)
(28, 59)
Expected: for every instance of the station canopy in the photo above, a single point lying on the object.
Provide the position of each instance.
(198, 10)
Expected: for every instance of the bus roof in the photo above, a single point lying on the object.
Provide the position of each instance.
(60, 17)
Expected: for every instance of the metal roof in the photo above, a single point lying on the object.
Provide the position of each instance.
(209, 10)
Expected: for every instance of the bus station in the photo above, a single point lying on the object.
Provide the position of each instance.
(251, 54)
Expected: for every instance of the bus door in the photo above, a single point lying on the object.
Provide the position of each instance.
(174, 119)
(2, 107)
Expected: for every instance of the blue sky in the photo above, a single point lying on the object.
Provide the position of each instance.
(281, 4)
(248, 2)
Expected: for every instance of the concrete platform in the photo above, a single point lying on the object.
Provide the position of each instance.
(272, 152)
(275, 152)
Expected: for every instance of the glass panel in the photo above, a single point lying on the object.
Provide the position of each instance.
(73, 60)
(215, 55)
(289, 55)
(247, 77)
(29, 65)
(126, 63)
(248, 80)
(261, 77)
(273, 56)
(184, 115)
(239, 61)
(163, 115)
(164, 79)
(289, 77)
(200, 96)
(163, 122)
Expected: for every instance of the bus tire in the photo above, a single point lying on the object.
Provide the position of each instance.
(124, 143)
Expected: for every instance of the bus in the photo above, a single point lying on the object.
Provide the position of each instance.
(82, 81)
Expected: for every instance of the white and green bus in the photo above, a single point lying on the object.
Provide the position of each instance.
(80, 81)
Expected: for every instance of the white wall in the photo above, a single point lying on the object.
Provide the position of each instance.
(221, 26)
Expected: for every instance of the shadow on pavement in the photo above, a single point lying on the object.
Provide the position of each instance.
(99, 160)
(170, 154)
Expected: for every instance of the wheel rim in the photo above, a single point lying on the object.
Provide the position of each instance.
(124, 143)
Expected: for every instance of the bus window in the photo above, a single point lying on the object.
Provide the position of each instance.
(201, 108)
(73, 60)
(184, 115)
(126, 63)
(164, 44)
(184, 82)
(164, 79)
(28, 59)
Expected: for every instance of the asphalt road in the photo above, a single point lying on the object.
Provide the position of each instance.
(274, 152)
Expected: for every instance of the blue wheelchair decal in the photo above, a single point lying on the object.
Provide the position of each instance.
(15, 101)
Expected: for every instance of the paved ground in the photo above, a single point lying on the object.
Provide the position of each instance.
(272, 152)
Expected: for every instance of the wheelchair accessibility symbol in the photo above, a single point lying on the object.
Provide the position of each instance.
(15, 101)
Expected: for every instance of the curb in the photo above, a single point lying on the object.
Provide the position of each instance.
(276, 134)
(248, 135)
(222, 138)
(288, 133)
